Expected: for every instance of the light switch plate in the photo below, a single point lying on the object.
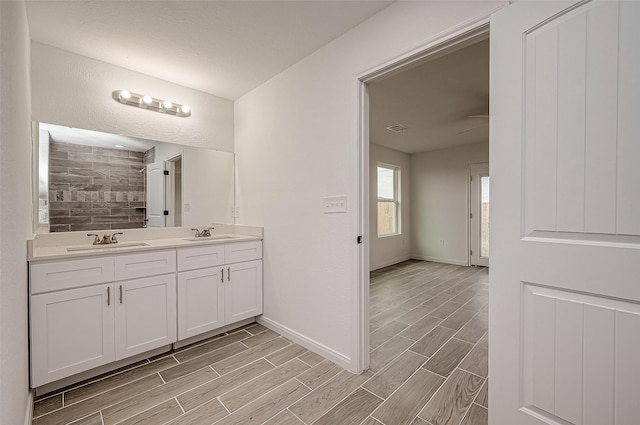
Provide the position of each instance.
(335, 204)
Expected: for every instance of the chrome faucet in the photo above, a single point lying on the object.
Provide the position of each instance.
(204, 233)
(106, 238)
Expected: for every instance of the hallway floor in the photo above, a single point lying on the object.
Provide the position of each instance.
(428, 366)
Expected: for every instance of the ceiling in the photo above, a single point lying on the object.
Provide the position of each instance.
(77, 136)
(436, 101)
(225, 48)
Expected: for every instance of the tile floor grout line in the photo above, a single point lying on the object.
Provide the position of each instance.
(180, 405)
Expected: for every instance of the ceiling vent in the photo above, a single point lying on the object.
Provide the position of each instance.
(398, 128)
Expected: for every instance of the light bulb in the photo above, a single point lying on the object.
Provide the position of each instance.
(167, 104)
(185, 109)
(125, 94)
(119, 146)
(147, 99)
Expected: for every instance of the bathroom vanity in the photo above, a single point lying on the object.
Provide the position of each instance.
(95, 306)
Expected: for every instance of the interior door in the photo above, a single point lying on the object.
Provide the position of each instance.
(565, 129)
(479, 215)
(155, 196)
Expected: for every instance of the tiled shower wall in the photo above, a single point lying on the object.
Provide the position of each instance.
(94, 188)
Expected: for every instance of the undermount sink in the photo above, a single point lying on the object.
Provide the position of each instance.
(211, 238)
(111, 245)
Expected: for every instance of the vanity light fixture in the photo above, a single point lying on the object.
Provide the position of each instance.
(119, 146)
(147, 102)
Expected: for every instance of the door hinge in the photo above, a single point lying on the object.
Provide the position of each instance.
(166, 172)
(470, 178)
(471, 252)
(359, 239)
(470, 215)
(166, 212)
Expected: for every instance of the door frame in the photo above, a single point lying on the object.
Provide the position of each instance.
(444, 43)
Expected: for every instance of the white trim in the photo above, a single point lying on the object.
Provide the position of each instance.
(460, 36)
(440, 260)
(388, 263)
(28, 414)
(310, 344)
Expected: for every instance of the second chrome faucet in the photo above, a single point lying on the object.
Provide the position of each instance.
(204, 233)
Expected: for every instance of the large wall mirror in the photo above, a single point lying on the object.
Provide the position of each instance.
(88, 180)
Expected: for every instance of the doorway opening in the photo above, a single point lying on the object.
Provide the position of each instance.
(479, 215)
(173, 191)
(392, 133)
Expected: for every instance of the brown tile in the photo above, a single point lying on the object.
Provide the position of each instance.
(206, 414)
(412, 316)
(419, 421)
(282, 356)
(385, 333)
(473, 330)
(450, 404)
(260, 338)
(148, 399)
(458, 319)
(202, 394)
(448, 357)
(267, 406)
(404, 404)
(371, 421)
(325, 397)
(421, 327)
(248, 356)
(477, 303)
(319, 374)
(483, 396)
(256, 328)
(352, 410)
(476, 362)
(431, 342)
(202, 361)
(244, 394)
(159, 414)
(446, 309)
(97, 387)
(284, 418)
(476, 416)
(311, 358)
(438, 300)
(384, 383)
(47, 405)
(94, 419)
(388, 351)
(484, 341)
(99, 402)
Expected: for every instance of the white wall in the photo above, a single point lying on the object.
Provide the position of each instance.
(73, 90)
(387, 250)
(439, 202)
(15, 210)
(296, 142)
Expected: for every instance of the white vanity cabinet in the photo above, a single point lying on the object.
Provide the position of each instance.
(82, 316)
(217, 286)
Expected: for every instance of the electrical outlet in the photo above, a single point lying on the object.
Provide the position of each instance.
(441, 242)
(237, 213)
(335, 204)
(187, 207)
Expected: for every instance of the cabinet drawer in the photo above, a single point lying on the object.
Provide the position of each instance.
(243, 251)
(200, 257)
(47, 277)
(147, 264)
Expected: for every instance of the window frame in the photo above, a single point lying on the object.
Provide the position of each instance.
(395, 200)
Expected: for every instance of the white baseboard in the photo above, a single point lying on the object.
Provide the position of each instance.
(28, 414)
(388, 263)
(440, 260)
(308, 343)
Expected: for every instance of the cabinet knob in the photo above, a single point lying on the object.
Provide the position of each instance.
(120, 294)
(222, 274)
(108, 295)
(228, 274)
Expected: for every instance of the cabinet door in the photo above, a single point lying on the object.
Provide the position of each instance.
(145, 314)
(200, 301)
(71, 331)
(243, 290)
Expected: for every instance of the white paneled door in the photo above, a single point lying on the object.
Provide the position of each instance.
(565, 194)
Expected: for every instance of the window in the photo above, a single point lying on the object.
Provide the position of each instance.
(388, 200)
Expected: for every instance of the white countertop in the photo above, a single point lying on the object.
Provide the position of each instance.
(67, 249)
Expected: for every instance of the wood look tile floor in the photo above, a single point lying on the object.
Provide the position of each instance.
(428, 367)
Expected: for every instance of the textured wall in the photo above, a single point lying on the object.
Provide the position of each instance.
(15, 211)
(93, 188)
